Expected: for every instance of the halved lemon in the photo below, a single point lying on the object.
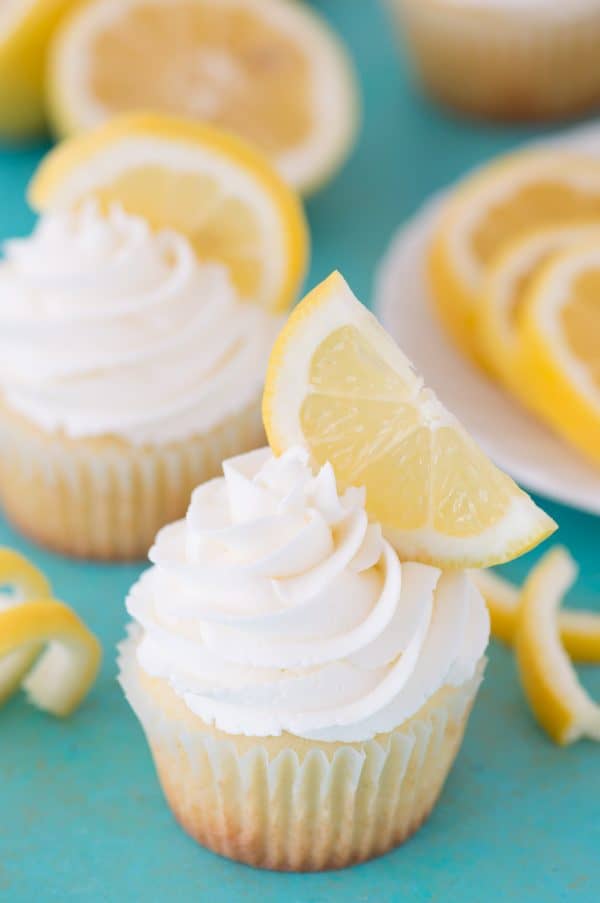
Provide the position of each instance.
(339, 385)
(44, 646)
(271, 71)
(560, 338)
(493, 208)
(26, 27)
(224, 196)
(506, 284)
(579, 630)
(557, 699)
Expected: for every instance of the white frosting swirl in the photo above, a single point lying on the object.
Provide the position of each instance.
(276, 606)
(109, 328)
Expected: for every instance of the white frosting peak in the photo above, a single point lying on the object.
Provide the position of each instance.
(107, 327)
(276, 606)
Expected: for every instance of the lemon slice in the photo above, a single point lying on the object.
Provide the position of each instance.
(44, 646)
(338, 385)
(493, 208)
(192, 178)
(558, 701)
(579, 630)
(560, 337)
(26, 27)
(506, 284)
(271, 71)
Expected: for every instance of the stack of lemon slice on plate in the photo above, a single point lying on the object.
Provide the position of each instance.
(514, 268)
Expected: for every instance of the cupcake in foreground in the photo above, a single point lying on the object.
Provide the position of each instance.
(304, 687)
(506, 59)
(131, 363)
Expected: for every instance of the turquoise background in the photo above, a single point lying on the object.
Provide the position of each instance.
(81, 814)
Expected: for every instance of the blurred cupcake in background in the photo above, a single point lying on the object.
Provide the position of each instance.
(506, 59)
(133, 339)
(271, 71)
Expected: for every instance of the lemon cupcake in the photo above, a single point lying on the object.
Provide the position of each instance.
(132, 357)
(506, 59)
(303, 674)
(303, 692)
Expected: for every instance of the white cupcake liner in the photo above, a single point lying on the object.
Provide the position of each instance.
(289, 804)
(106, 498)
(503, 63)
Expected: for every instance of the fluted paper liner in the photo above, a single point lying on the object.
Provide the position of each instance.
(291, 804)
(106, 498)
(514, 64)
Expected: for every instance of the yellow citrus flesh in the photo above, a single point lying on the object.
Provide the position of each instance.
(558, 701)
(579, 630)
(338, 385)
(44, 647)
(507, 281)
(560, 337)
(269, 71)
(208, 185)
(26, 27)
(492, 209)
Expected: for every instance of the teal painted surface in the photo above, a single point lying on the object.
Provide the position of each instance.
(81, 815)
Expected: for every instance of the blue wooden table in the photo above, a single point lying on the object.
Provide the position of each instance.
(81, 815)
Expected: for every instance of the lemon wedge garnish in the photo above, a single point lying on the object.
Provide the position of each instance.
(338, 385)
(26, 27)
(44, 647)
(579, 630)
(272, 72)
(224, 196)
(493, 208)
(557, 698)
(560, 339)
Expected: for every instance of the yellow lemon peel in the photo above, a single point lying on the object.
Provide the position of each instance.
(557, 699)
(44, 647)
(579, 630)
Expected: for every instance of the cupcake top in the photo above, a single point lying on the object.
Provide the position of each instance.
(276, 606)
(109, 328)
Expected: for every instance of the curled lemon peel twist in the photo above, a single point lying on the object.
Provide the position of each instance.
(547, 640)
(44, 647)
(579, 630)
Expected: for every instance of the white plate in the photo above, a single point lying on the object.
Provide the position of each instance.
(517, 442)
